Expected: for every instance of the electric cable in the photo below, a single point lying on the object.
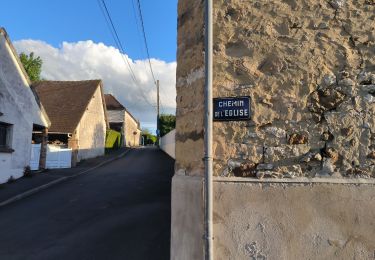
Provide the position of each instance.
(145, 40)
(119, 45)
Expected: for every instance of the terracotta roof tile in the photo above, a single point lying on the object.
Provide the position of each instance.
(65, 102)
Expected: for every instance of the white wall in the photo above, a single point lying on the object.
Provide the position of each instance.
(91, 129)
(168, 143)
(12, 164)
(19, 108)
(17, 84)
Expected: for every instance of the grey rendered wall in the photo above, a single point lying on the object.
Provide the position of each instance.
(281, 220)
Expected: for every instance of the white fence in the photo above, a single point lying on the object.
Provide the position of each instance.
(168, 143)
(58, 158)
(35, 157)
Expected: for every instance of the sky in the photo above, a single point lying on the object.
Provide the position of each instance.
(75, 43)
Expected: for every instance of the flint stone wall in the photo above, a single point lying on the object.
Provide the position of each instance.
(309, 67)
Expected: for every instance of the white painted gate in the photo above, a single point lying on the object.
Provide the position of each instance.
(35, 157)
(58, 158)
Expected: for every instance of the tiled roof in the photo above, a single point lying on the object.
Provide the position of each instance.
(112, 103)
(65, 102)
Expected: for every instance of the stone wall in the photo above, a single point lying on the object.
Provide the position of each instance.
(190, 85)
(131, 126)
(91, 129)
(309, 68)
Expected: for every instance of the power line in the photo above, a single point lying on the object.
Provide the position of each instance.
(159, 104)
(141, 47)
(117, 40)
(145, 39)
(119, 45)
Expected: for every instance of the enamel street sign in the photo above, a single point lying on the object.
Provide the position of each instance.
(232, 109)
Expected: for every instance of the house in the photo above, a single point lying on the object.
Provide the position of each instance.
(295, 178)
(21, 114)
(77, 113)
(121, 120)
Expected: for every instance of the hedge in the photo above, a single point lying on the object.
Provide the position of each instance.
(113, 139)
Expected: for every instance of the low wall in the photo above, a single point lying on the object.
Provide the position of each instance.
(276, 219)
(168, 144)
(6, 169)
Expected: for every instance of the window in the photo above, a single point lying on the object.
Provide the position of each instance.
(5, 133)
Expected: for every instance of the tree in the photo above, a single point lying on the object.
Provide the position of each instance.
(166, 123)
(148, 137)
(32, 65)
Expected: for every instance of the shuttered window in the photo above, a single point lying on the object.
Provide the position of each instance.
(5, 131)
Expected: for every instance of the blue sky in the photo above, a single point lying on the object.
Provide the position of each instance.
(75, 43)
(76, 20)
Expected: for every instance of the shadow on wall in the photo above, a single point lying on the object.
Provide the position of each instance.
(97, 146)
(91, 144)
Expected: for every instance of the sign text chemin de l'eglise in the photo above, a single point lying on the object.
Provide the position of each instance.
(232, 109)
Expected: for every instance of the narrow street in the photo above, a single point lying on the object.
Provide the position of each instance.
(119, 211)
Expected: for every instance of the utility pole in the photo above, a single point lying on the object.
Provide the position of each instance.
(208, 125)
(158, 113)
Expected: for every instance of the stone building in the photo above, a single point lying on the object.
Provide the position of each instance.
(78, 115)
(121, 120)
(295, 181)
(21, 114)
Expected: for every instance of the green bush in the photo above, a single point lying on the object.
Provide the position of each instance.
(148, 137)
(113, 139)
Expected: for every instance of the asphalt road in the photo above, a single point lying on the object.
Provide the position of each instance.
(119, 211)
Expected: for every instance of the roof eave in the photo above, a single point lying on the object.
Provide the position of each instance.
(15, 55)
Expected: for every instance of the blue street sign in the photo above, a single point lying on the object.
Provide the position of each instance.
(232, 109)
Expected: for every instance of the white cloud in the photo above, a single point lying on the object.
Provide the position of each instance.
(88, 60)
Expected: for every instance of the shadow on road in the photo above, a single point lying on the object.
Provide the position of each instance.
(119, 211)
